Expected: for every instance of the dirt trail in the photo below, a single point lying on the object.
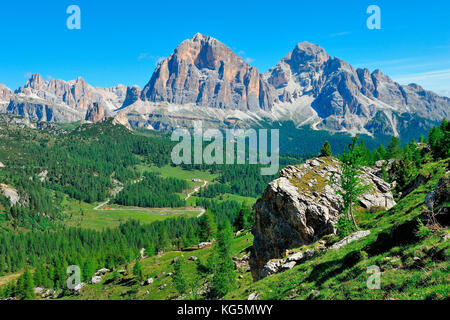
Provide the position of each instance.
(196, 189)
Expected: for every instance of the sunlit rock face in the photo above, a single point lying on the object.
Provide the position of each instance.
(205, 72)
(301, 206)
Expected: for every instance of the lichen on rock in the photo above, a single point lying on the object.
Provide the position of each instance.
(301, 206)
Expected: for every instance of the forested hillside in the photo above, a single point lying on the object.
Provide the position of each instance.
(50, 175)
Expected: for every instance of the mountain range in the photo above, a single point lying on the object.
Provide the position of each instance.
(205, 80)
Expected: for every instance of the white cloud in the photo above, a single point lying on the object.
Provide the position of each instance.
(340, 34)
(444, 93)
(436, 80)
(436, 74)
(146, 56)
(143, 56)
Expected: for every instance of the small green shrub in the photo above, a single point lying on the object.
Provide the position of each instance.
(423, 231)
(344, 227)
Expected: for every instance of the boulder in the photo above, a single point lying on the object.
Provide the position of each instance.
(288, 265)
(241, 263)
(353, 237)
(301, 206)
(38, 290)
(253, 296)
(96, 279)
(202, 245)
(102, 272)
(10, 193)
(271, 267)
(309, 254)
(193, 258)
(78, 287)
(296, 257)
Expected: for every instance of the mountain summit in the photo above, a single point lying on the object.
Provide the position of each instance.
(205, 72)
(336, 96)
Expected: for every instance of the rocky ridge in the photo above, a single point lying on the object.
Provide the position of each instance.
(205, 80)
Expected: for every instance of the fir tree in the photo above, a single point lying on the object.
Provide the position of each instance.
(207, 226)
(350, 180)
(224, 278)
(179, 277)
(326, 150)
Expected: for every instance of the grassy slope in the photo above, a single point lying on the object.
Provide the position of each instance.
(335, 276)
(153, 266)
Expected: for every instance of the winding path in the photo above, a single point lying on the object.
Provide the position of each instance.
(196, 189)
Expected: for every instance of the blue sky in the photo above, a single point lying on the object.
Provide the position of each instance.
(121, 41)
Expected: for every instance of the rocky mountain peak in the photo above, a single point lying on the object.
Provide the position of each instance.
(300, 72)
(5, 94)
(133, 95)
(205, 72)
(306, 52)
(35, 81)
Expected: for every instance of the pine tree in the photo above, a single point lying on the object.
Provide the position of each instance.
(88, 270)
(179, 277)
(207, 226)
(191, 237)
(137, 271)
(38, 276)
(240, 220)
(150, 249)
(2, 265)
(224, 278)
(28, 285)
(326, 150)
(350, 180)
(380, 153)
(394, 148)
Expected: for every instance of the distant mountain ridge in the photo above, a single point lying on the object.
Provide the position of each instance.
(205, 80)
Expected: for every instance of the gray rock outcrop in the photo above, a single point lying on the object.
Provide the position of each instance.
(349, 239)
(301, 206)
(95, 113)
(10, 193)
